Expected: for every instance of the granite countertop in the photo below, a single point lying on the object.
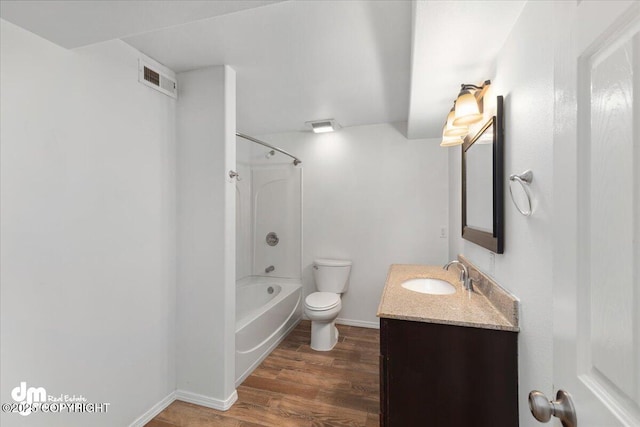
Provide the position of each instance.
(463, 308)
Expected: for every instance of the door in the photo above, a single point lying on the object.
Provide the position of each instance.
(597, 210)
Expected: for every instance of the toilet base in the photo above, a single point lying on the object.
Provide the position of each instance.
(324, 335)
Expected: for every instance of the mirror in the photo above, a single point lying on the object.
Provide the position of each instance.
(482, 184)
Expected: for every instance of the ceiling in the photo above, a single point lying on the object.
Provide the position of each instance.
(301, 60)
(360, 62)
(74, 24)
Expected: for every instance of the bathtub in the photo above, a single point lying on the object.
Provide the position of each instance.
(266, 310)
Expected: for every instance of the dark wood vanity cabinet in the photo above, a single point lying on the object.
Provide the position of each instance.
(447, 376)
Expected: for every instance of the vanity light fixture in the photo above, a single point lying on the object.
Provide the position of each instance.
(451, 141)
(323, 126)
(450, 129)
(468, 105)
(466, 110)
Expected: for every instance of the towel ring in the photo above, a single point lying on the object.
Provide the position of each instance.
(524, 179)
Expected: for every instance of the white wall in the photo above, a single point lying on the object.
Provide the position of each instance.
(525, 77)
(206, 236)
(371, 196)
(87, 229)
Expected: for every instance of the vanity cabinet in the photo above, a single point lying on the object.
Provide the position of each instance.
(447, 376)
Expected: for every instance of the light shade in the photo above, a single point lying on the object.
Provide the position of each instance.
(451, 141)
(466, 109)
(451, 130)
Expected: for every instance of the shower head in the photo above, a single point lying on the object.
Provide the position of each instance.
(270, 154)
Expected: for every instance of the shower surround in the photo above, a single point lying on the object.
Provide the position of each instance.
(268, 253)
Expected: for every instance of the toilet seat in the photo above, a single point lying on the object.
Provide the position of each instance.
(321, 301)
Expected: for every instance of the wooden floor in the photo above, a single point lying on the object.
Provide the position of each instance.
(296, 386)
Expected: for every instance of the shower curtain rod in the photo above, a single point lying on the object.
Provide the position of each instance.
(296, 161)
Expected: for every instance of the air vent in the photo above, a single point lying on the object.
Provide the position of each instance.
(148, 75)
(151, 76)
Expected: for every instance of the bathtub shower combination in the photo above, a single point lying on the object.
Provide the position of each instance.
(268, 251)
(267, 308)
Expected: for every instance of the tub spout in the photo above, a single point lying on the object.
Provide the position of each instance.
(269, 269)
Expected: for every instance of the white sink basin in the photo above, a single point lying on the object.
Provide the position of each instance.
(429, 286)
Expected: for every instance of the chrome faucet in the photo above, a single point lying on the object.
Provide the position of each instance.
(464, 274)
(269, 269)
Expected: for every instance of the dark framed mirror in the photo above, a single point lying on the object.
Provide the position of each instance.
(483, 184)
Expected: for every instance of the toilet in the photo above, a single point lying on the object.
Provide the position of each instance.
(323, 307)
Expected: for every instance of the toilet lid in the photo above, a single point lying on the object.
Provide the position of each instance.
(322, 300)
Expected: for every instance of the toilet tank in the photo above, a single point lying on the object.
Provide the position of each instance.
(332, 275)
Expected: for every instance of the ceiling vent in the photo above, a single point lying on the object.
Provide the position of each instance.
(322, 126)
(150, 76)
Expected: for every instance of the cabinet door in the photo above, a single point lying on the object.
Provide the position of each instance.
(442, 375)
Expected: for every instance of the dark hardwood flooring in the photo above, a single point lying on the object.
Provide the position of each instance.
(299, 387)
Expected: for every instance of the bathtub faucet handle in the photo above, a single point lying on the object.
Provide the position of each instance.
(269, 269)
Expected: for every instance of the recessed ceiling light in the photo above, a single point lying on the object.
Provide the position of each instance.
(322, 126)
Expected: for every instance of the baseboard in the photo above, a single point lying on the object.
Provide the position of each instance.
(154, 410)
(209, 402)
(185, 396)
(358, 323)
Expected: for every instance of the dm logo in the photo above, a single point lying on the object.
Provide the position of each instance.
(22, 394)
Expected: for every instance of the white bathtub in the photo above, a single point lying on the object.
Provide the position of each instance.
(266, 310)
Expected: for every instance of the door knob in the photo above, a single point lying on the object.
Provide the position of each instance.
(542, 409)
